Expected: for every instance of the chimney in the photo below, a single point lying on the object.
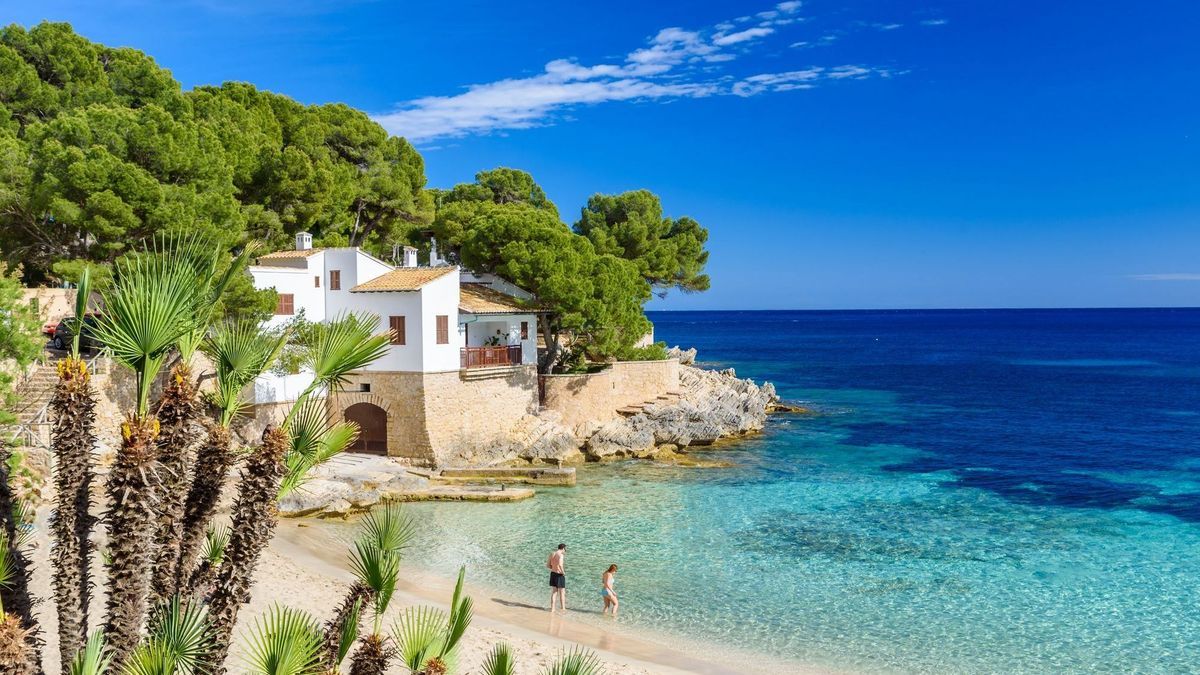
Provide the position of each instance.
(434, 261)
(303, 241)
(410, 257)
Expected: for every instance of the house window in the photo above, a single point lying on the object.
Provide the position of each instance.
(335, 280)
(524, 330)
(316, 281)
(396, 323)
(287, 304)
(443, 329)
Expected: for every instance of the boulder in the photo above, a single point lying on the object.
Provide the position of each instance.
(686, 356)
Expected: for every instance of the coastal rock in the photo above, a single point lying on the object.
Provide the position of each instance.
(350, 483)
(537, 439)
(712, 405)
(686, 357)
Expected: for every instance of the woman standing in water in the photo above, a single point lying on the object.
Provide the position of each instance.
(610, 596)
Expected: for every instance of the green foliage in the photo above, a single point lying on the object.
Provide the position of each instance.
(424, 634)
(500, 661)
(216, 538)
(340, 347)
(388, 529)
(669, 253)
(652, 352)
(578, 661)
(314, 441)
(94, 659)
(378, 569)
(179, 638)
(240, 351)
(149, 308)
(284, 642)
(99, 147)
(82, 292)
(20, 341)
(349, 631)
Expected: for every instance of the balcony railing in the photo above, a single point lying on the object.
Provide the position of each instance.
(491, 357)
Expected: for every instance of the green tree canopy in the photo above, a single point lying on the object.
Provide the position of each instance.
(100, 148)
(668, 252)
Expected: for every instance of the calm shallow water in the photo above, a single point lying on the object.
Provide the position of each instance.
(1003, 491)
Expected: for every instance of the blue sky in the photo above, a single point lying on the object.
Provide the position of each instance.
(842, 154)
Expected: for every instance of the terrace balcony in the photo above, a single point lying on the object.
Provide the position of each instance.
(490, 357)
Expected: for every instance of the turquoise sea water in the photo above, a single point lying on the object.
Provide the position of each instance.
(979, 492)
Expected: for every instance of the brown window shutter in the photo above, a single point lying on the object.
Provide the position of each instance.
(316, 281)
(335, 280)
(443, 329)
(287, 304)
(524, 330)
(396, 323)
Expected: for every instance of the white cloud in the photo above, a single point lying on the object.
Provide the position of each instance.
(888, 26)
(1174, 276)
(724, 40)
(676, 63)
(934, 22)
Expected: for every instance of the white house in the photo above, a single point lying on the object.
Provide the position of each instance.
(452, 331)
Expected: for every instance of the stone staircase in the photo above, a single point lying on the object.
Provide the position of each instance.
(637, 408)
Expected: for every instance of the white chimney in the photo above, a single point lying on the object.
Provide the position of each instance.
(434, 261)
(303, 241)
(410, 257)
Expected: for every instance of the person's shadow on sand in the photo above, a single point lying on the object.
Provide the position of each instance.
(525, 605)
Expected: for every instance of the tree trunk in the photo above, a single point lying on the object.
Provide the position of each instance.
(372, 656)
(177, 415)
(215, 457)
(130, 520)
(72, 440)
(15, 595)
(550, 337)
(255, 514)
(358, 593)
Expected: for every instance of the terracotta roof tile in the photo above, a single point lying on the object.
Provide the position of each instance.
(287, 255)
(403, 279)
(480, 299)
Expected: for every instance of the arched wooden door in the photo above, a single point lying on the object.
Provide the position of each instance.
(372, 428)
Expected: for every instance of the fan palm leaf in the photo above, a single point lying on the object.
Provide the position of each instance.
(284, 642)
(419, 634)
(182, 629)
(499, 661)
(212, 281)
(340, 347)
(94, 658)
(240, 352)
(388, 528)
(82, 290)
(578, 661)
(314, 441)
(378, 570)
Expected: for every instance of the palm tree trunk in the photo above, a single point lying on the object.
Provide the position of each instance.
(15, 597)
(130, 520)
(359, 593)
(72, 440)
(17, 656)
(255, 514)
(372, 656)
(177, 415)
(214, 460)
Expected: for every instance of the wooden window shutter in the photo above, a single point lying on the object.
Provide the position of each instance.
(524, 330)
(286, 305)
(316, 281)
(396, 323)
(335, 280)
(443, 329)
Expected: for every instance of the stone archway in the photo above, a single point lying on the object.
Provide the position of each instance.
(372, 428)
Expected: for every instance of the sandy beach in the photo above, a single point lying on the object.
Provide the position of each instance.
(304, 567)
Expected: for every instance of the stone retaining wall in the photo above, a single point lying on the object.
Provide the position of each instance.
(592, 398)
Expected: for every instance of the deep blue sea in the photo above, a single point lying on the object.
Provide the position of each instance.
(975, 492)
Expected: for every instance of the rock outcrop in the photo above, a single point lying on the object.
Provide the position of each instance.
(686, 357)
(712, 405)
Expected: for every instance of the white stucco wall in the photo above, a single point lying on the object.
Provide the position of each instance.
(440, 296)
(406, 357)
(272, 388)
(297, 280)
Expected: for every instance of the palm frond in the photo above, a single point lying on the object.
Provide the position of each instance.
(388, 528)
(240, 351)
(461, 612)
(94, 659)
(314, 441)
(378, 570)
(182, 629)
(82, 290)
(342, 346)
(6, 564)
(150, 658)
(419, 634)
(148, 308)
(216, 538)
(211, 282)
(500, 661)
(578, 661)
(284, 642)
(349, 631)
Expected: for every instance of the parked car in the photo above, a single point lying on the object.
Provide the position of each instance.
(48, 329)
(87, 339)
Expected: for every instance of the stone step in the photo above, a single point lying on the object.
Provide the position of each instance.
(563, 476)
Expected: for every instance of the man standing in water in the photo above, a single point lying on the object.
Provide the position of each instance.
(558, 577)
